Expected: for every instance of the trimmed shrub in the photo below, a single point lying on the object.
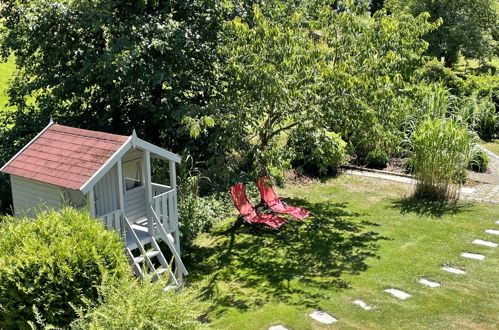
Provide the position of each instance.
(377, 159)
(52, 263)
(137, 304)
(479, 161)
(441, 150)
(317, 150)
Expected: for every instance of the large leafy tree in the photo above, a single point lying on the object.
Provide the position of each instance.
(269, 81)
(469, 26)
(319, 67)
(370, 63)
(108, 65)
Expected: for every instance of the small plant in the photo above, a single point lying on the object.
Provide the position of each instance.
(317, 150)
(138, 304)
(377, 159)
(479, 162)
(441, 150)
(52, 263)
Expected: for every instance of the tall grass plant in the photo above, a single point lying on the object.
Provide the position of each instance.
(441, 150)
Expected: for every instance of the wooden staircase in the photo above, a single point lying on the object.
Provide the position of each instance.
(146, 257)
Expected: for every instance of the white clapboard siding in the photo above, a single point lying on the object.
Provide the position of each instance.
(106, 194)
(135, 203)
(29, 196)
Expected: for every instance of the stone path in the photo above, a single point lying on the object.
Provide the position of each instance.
(492, 231)
(454, 270)
(322, 317)
(484, 243)
(398, 293)
(488, 191)
(475, 256)
(278, 327)
(431, 284)
(362, 305)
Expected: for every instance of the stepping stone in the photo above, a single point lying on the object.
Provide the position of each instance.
(475, 256)
(497, 222)
(398, 293)
(278, 327)
(492, 231)
(454, 270)
(426, 282)
(484, 243)
(362, 305)
(322, 317)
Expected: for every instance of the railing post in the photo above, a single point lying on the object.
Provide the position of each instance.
(120, 196)
(148, 188)
(173, 212)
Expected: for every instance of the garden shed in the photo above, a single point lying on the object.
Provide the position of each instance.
(110, 175)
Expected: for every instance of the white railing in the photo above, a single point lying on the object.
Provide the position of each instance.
(164, 205)
(169, 240)
(113, 220)
(158, 189)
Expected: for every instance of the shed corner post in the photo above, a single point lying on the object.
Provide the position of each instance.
(148, 188)
(120, 196)
(91, 201)
(176, 234)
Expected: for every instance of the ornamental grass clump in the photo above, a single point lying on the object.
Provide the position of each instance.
(138, 304)
(441, 150)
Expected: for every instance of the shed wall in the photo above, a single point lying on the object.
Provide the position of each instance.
(29, 196)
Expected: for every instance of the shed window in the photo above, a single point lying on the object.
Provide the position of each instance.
(132, 171)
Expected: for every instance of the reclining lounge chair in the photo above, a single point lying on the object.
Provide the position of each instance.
(270, 198)
(248, 212)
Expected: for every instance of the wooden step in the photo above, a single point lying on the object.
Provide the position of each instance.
(161, 270)
(151, 254)
(138, 260)
(170, 287)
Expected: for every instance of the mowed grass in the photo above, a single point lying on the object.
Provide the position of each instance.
(370, 238)
(6, 72)
(493, 146)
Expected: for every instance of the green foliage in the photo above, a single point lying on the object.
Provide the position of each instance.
(317, 150)
(441, 150)
(138, 304)
(268, 83)
(197, 214)
(54, 262)
(109, 65)
(377, 159)
(469, 26)
(370, 62)
(479, 161)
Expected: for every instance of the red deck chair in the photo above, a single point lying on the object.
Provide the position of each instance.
(248, 211)
(270, 198)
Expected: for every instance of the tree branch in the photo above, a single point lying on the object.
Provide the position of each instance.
(282, 129)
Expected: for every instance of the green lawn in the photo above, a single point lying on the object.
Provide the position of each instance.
(6, 72)
(493, 146)
(472, 64)
(370, 238)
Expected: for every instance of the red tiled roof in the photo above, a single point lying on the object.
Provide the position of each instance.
(65, 156)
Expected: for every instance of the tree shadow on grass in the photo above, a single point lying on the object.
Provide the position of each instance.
(433, 208)
(247, 267)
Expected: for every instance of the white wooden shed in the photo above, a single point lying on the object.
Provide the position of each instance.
(110, 175)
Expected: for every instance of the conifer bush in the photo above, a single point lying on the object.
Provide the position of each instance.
(53, 263)
(441, 150)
